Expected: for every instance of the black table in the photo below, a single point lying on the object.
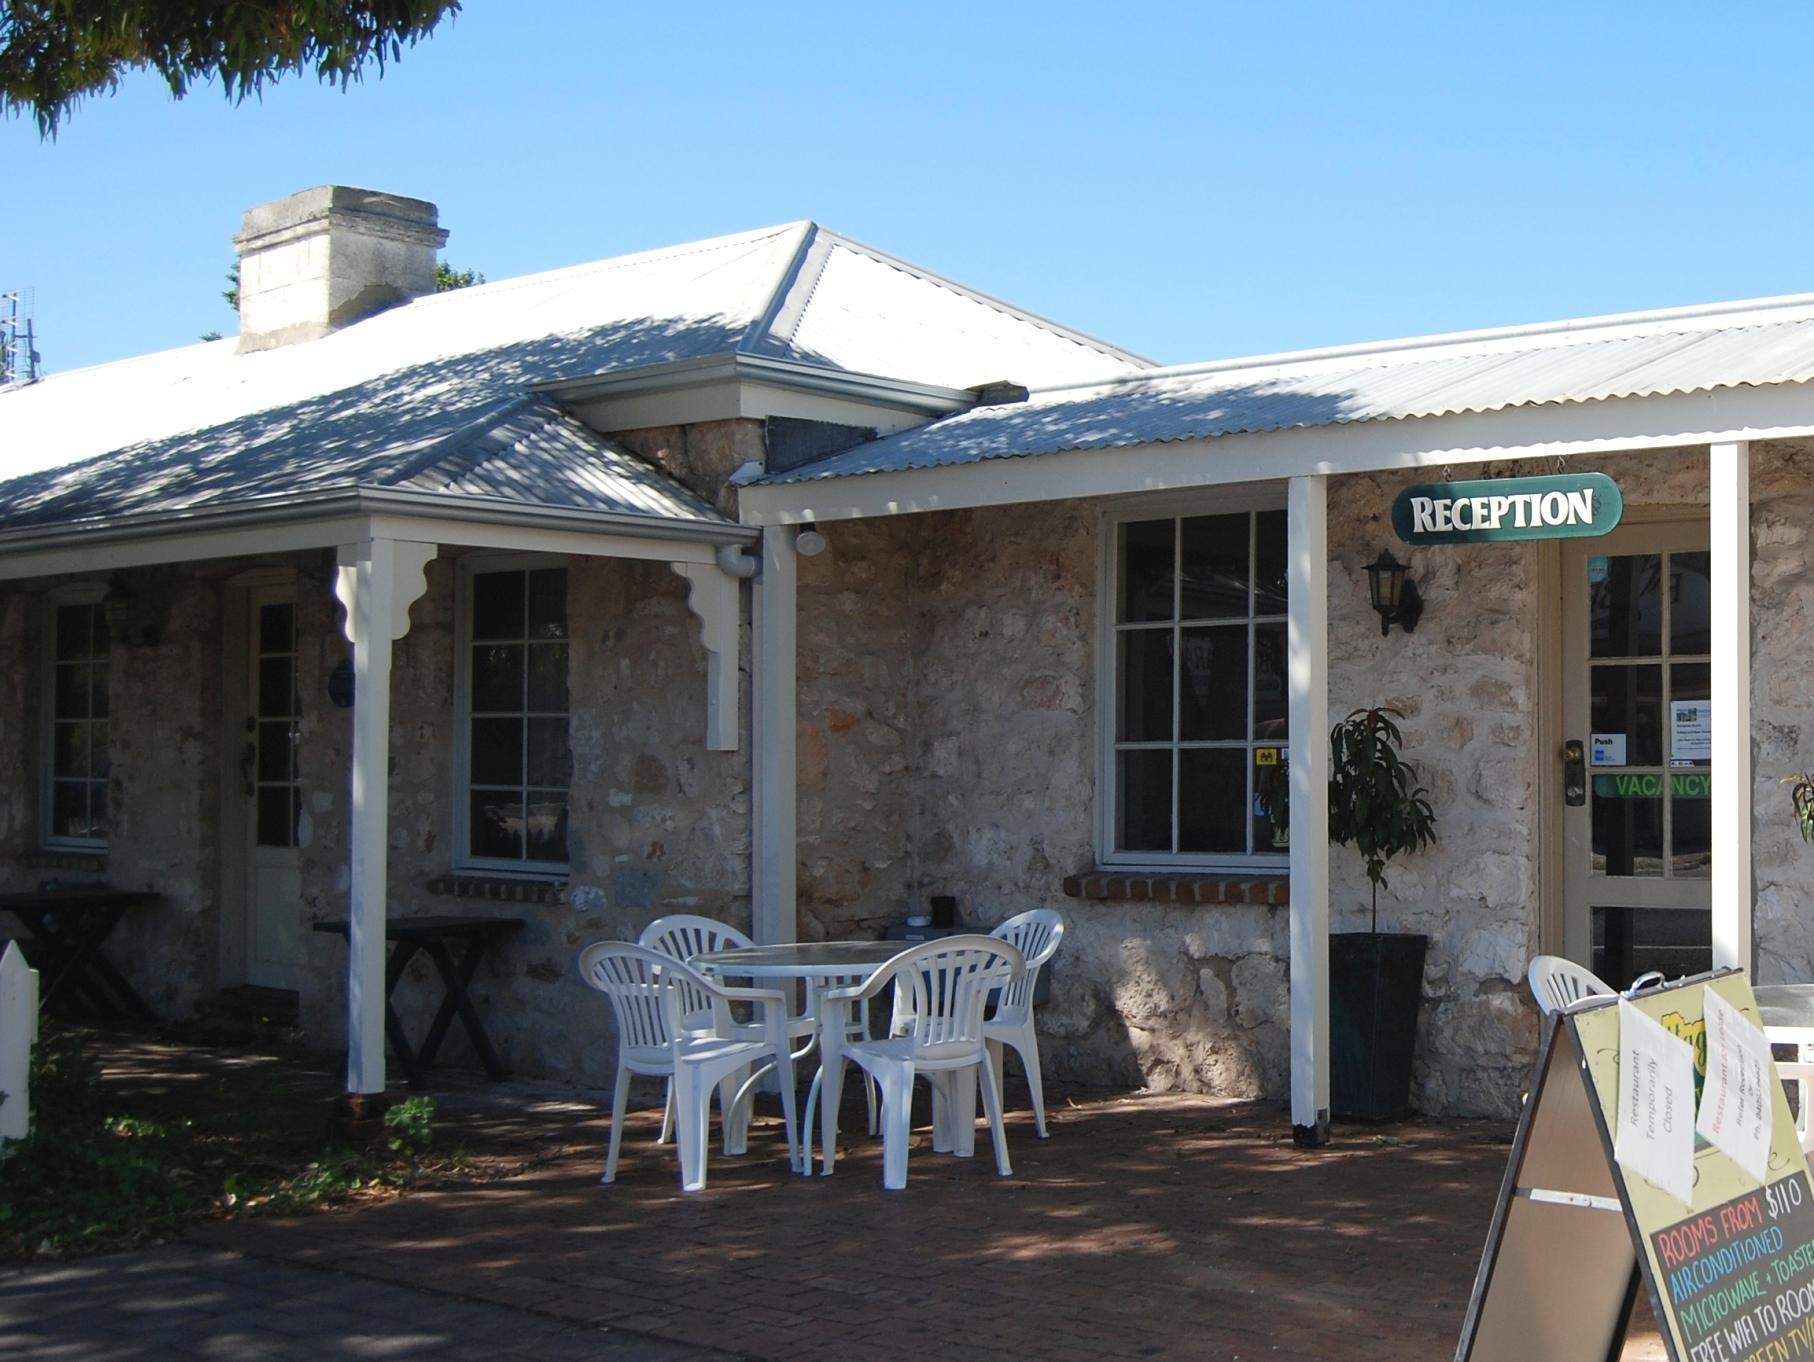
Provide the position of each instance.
(66, 926)
(435, 937)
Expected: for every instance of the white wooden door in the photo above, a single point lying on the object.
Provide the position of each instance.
(268, 779)
(1637, 832)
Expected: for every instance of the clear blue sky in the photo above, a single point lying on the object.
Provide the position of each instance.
(1191, 181)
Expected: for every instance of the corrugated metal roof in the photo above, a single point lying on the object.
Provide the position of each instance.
(1756, 343)
(519, 450)
(203, 425)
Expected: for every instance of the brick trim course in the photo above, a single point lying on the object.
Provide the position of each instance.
(1270, 891)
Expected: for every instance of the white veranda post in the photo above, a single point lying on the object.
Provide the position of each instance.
(378, 581)
(1307, 691)
(1729, 539)
(772, 699)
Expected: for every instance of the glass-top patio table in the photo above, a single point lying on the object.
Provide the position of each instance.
(819, 965)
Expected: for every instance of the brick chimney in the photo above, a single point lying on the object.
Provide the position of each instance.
(326, 258)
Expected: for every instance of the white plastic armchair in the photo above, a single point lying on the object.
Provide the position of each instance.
(1036, 935)
(944, 985)
(1800, 1077)
(681, 936)
(662, 1031)
(1558, 984)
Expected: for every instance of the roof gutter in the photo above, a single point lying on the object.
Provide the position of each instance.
(921, 398)
(341, 504)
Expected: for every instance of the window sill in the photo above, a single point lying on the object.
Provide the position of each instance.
(64, 858)
(1266, 891)
(500, 889)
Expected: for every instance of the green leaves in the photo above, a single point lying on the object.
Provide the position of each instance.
(53, 52)
(1375, 802)
(1801, 799)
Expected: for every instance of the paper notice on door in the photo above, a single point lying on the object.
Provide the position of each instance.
(1608, 749)
(1690, 732)
(1736, 1110)
(1655, 1138)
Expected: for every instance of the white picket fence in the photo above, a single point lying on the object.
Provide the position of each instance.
(18, 1033)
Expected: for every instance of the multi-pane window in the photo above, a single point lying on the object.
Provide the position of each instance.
(517, 758)
(76, 797)
(1196, 689)
(276, 727)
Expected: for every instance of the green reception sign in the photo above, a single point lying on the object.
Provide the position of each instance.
(1567, 506)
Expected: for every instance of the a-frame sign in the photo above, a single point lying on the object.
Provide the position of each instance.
(1730, 1277)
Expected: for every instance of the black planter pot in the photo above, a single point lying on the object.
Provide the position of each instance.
(1375, 986)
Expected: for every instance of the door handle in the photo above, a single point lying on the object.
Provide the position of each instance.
(248, 767)
(1574, 773)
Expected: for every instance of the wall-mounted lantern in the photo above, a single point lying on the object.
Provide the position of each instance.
(1394, 594)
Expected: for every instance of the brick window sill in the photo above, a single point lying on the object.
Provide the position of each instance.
(87, 862)
(1268, 891)
(499, 889)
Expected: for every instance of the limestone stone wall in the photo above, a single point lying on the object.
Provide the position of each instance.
(658, 824)
(164, 708)
(1782, 705)
(948, 729)
(992, 690)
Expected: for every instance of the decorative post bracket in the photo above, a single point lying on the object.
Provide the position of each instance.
(714, 597)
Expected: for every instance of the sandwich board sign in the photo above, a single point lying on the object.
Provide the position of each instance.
(1576, 1233)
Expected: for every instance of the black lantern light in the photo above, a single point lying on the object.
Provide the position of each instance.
(1394, 594)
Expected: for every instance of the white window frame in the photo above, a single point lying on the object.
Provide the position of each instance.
(1241, 499)
(469, 567)
(79, 593)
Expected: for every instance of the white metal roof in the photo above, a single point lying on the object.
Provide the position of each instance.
(203, 424)
(1642, 354)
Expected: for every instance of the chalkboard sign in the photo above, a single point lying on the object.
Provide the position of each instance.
(1729, 1275)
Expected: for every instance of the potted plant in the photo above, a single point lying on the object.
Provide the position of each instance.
(1375, 978)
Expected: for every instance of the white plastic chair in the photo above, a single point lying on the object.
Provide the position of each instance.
(1559, 984)
(1036, 935)
(944, 986)
(685, 935)
(662, 1031)
(681, 936)
(1801, 1077)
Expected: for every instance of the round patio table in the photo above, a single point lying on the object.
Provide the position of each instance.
(819, 965)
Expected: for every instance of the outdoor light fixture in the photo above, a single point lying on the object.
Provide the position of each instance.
(808, 542)
(1394, 595)
(341, 685)
(131, 618)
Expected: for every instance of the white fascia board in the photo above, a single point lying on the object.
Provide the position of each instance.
(351, 518)
(1610, 426)
(723, 387)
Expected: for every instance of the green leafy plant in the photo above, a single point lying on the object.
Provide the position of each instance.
(1375, 802)
(108, 1165)
(1801, 799)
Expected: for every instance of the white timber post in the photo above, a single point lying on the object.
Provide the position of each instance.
(18, 1033)
(378, 581)
(1729, 517)
(1307, 710)
(774, 702)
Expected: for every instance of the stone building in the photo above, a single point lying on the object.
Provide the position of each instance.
(1078, 625)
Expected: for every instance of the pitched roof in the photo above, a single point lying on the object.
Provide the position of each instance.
(1769, 341)
(424, 385)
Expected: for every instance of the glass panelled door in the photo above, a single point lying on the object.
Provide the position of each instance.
(273, 792)
(1638, 751)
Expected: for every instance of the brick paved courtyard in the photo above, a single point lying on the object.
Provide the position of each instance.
(1146, 1227)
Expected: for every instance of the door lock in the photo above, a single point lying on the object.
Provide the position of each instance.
(1574, 773)
(248, 768)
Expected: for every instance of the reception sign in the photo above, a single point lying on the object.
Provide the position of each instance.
(1566, 506)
